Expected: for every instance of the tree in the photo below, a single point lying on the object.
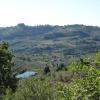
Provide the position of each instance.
(61, 67)
(7, 79)
(46, 69)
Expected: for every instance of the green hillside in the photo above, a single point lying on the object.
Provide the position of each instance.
(79, 80)
(44, 42)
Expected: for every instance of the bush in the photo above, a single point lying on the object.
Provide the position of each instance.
(34, 89)
(46, 70)
(84, 84)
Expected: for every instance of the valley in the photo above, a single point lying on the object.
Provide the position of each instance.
(38, 45)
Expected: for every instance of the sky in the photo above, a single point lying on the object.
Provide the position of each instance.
(53, 12)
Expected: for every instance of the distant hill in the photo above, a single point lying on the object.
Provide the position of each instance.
(42, 43)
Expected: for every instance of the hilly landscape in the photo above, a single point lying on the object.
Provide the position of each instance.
(36, 45)
(49, 50)
(66, 60)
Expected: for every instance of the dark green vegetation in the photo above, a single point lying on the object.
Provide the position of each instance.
(81, 81)
(38, 45)
(7, 79)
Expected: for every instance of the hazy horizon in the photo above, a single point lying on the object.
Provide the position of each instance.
(52, 12)
(45, 24)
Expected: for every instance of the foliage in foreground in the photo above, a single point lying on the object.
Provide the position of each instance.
(83, 85)
(7, 78)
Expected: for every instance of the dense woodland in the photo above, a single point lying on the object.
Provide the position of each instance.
(67, 59)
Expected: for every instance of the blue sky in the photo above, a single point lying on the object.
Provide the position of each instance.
(53, 12)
